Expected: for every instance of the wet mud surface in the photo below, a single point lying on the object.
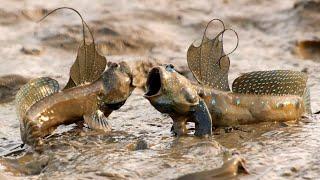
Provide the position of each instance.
(273, 35)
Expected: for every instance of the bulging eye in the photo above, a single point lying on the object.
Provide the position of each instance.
(113, 65)
(170, 68)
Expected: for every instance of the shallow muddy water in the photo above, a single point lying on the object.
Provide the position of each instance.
(273, 35)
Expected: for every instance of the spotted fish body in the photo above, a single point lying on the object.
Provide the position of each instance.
(42, 107)
(229, 109)
(169, 92)
(258, 96)
(279, 95)
(279, 82)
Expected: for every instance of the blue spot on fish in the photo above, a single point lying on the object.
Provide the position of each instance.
(170, 68)
(237, 101)
(213, 102)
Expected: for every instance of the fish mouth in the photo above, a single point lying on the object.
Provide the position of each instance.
(153, 83)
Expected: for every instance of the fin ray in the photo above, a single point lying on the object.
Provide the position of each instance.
(34, 91)
(203, 119)
(306, 100)
(209, 64)
(275, 82)
(97, 121)
(88, 67)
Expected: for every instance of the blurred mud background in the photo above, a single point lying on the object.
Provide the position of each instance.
(273, 35)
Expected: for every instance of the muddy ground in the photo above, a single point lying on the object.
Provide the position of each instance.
(273, 35)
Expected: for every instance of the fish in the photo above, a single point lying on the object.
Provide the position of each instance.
(42, 107)
(91, 95)
(258, 96)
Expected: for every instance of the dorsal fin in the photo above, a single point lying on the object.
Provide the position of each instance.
(276, 82)
(203, 63)
(89, 64)
(34, 91)
(208, 62)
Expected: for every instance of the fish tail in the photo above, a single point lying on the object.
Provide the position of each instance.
(306, 100)
(30, 133)
(34, 91)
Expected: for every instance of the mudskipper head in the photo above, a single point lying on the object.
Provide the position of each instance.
(117, 83)
(170, 92)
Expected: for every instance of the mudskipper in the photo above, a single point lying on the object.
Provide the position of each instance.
(278, 95)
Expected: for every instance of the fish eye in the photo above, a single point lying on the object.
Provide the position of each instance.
(170, 68)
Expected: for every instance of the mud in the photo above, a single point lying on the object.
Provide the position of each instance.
(141, 145)
(9, 85)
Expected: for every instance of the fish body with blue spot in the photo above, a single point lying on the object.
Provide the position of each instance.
(258, 96)
(261, 99)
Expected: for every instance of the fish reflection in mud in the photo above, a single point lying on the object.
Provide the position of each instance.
(278, 95)
(90, 94)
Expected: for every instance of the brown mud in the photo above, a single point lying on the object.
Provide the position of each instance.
(141, 145)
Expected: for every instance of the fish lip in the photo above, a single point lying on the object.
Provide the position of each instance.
(154, 83)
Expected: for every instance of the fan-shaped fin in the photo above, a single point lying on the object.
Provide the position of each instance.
(88, 66)
(97, 121)
(209, 63)
(276, 82)
(203, 62)
(70, 84)
(34, 91)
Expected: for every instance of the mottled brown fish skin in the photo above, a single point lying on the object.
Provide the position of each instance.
(228, 109)
(70, 105)
(170, 92)
(277, 82)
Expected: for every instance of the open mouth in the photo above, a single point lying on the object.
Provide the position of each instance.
(153, 82)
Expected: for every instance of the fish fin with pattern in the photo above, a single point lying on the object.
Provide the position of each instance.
(70, 84)
(88, 66)
(275, 82)
(29, 94)
(34, 91)
(208, 62)
(306, 100)
(97, 121)
(203, 119)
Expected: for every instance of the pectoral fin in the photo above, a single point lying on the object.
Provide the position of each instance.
(202, 119)
(97, 121)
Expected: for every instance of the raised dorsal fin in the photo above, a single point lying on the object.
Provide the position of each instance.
(276, 82)
(203, 62)
(208, 62)
(34, 91)
(89, 64)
